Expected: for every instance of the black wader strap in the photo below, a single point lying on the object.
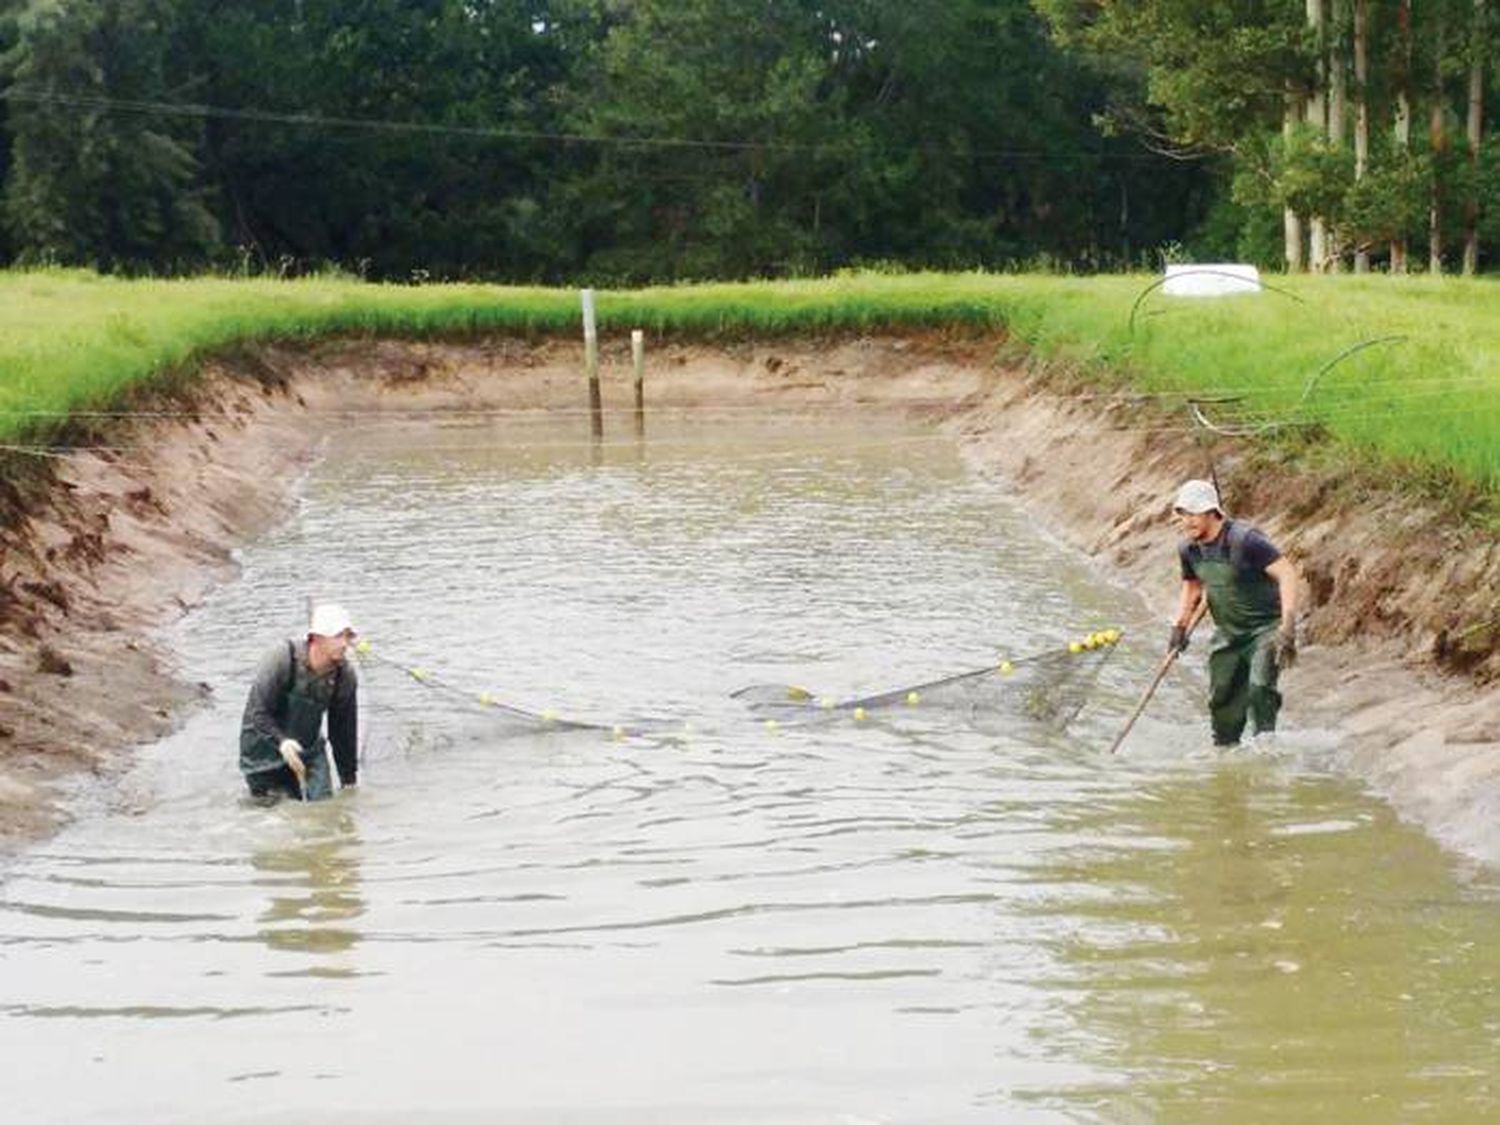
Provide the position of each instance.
(1235, 536)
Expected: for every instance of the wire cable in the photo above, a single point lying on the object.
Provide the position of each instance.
(491, 132)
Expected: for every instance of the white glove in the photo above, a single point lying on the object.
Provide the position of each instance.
(291, 754)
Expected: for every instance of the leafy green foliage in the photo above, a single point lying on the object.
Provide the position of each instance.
(1230, 75)
(414, 154)
(659, 140)
(1310, 174)
(1489, 191)
(639, 140)
(1391, 199)
(1215, 70)
(116, 190)
(9, 9)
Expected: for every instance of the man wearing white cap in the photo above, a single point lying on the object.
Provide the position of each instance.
(282, 749)
(1251, 589)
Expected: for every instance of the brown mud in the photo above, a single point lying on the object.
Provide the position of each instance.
(126, 531)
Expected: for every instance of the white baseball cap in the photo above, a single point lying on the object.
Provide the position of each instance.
(1196, 497)
(329, 620)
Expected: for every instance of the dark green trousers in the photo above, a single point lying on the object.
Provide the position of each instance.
(1242, 684)
(279, 780)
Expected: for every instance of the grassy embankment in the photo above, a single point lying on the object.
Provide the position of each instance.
(1424, 409)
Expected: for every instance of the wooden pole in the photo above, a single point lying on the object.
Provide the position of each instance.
(1161, 674)
(638, 366)
(591, 364)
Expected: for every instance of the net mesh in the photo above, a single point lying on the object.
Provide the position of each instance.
(1048, 688)
(480, 708)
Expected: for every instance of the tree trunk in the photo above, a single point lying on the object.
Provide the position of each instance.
(1291, 222)
(1338, 114)
(1361, 115)
(1317, 117)
(1475, 134)
(1403, 116)
(1439, 143)
(1291, 229)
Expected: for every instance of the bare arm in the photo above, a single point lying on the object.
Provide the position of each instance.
(1284, 574)
(1187, 604)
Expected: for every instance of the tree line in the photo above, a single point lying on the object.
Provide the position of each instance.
(635, 141)
(1319, 107)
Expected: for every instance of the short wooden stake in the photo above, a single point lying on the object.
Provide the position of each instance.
(638, 366)
(591, 364)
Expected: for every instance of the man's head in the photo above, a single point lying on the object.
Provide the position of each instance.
(1198, 510)
(329, 633)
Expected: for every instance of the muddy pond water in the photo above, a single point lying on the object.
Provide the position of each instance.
(917, 918)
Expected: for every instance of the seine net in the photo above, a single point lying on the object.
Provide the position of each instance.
(1047, 688)
(460, 706)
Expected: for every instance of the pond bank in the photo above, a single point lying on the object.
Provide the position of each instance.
(129, 536)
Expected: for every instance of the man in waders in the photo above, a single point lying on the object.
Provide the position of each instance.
(1252, 593)
(282, 750)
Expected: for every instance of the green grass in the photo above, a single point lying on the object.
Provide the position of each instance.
(73, 341)
(1426, 407)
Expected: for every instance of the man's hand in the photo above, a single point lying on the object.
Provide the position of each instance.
(1178, 641)
(291, 754)
(1286, 646)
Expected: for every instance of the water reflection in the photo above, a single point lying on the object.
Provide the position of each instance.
(314, 886)
(1233, 946)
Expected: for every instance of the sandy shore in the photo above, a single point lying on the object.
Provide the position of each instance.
(1400, 658)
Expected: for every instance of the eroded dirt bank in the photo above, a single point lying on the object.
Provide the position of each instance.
(1402, 607)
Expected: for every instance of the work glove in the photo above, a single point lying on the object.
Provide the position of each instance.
(1286, 647)
(291, 754)
(1178, 641)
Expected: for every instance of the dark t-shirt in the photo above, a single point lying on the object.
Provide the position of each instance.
(1243, 598)
(1256, 552)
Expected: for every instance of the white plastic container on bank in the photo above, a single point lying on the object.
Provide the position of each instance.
(1211, 279)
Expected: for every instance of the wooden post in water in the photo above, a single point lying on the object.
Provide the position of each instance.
(591, 364)
(638, 366)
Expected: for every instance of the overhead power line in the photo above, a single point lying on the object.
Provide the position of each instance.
(487, 132)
